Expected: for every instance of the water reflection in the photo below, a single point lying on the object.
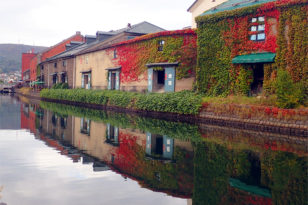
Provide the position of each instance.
(203, 164)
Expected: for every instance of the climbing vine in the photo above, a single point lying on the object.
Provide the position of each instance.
(224, 35)
(179, 46)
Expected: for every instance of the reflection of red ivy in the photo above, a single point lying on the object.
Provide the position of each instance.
(133, 55)
(242, 198)
(130, 159)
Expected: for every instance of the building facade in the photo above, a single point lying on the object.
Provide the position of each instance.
(50, 52)
(159, 62)
(243, 44)
(25, 65)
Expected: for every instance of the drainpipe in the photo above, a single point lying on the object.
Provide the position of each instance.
(74, 71)
(48, 75)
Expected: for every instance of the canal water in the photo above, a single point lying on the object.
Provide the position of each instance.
(58, 154)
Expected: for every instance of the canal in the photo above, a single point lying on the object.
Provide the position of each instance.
(58, 154)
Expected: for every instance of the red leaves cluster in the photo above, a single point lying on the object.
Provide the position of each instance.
(237, 36)
(133, 55)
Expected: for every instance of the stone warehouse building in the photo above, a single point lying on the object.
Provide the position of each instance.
(30, 66)
(62, 67)
(242, 45)
(158, 62)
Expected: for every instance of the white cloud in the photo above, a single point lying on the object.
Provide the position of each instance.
(50, 21)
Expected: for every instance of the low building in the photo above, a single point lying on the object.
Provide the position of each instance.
(91, 63)
(158, 62)
(61, 68)
(243, 43)
(48, 53)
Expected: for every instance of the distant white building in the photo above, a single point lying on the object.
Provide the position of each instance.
(200, 6)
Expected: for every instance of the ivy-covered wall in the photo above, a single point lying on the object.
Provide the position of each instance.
(179, 46)
(224, 35)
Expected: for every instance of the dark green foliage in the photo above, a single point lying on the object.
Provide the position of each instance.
(287, 177)
(289, 95)
(176, 130)
(60, 86)
(244, 80)
(213, 60)
(184, 102)
(211, 178)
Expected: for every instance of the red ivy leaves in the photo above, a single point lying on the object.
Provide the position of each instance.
(133, 55)
(237, 36)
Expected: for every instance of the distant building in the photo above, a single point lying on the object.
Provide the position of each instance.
(200, 6)
(47, 53)
(25, 65)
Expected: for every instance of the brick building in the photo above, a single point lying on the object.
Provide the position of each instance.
(50, 52)
(25, 66)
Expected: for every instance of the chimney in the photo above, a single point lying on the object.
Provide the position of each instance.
(78, 33)
(90, 39)
(129, 25)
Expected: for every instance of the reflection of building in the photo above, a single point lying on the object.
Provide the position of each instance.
(125, 151)
(57, 126)
(112, 136)
(159, 147)
(11, 110)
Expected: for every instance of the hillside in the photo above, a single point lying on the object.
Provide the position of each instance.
(10, 55)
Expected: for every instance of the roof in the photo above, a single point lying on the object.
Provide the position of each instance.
(159, 34)
(255, 58)
(142, 28)
(192, 5)
(234, 4)
(136, 30)
(51, 47)
(71, 52)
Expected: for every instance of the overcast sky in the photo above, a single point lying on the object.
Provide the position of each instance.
(47, 22)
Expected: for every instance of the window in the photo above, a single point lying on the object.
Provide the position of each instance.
(54, 78)
(63, 122)
(54, 119)
(85, 126)
(257, 28)
(115, 55)
(42, 67)
(63, 78)
(64, 63)
(55, 65)
(161, 44)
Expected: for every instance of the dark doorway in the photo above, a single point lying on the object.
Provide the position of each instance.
(63, 78)
(158, 80)
(161, 77)
(113, 81)
(54, 79)
(258, 77)
(159, 145)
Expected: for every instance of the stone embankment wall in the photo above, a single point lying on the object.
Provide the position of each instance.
(292, 121)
